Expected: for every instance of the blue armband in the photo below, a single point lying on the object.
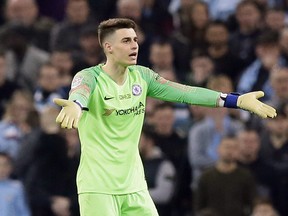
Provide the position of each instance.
(230, 100)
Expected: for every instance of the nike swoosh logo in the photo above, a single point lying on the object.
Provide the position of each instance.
(108, 98)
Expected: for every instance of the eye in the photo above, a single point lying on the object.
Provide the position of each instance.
(126, 40)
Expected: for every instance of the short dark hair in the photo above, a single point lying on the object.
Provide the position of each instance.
(109, 26)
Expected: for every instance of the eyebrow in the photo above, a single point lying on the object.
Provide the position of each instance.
(125, 38)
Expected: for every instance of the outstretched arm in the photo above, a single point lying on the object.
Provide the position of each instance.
(163, 89)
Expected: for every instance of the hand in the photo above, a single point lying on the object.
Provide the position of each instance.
(70, 113)
(251, 103)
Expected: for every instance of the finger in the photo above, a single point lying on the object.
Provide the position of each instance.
(259, 94)
(261, 114)
(271, 112)
(60, 102)
(266, 111)
(70, 123)
(60, 116)
(65, 122)
(75, 123)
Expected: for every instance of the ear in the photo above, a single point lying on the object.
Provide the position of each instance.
(108, 47)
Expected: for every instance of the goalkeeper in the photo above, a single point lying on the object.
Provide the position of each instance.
(107, 105)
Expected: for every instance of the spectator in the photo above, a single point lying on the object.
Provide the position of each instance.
(62, 59)
(275, 19)
(23, 59)
(174, 147)
(256, 75)
(274, 150)
(227, 188)
(27, 13)
(225, 62)
(190, 35)
(12, 194)
(195, 29)
(202, 67)
(159, 172)
(48, 88)
(50, 179)
(67, 33)
(248, 16)
(90, 53)
(162, 57)
(155, 18)
(279, 83)
(7, 87)
(13, 125)
(248, 157)
(205, 135)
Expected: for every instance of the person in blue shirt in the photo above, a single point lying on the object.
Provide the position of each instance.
(12, 195)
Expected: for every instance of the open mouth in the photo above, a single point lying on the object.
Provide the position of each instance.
(134, 54)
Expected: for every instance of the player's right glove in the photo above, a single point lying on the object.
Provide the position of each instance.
(70, 114)
(250, 102)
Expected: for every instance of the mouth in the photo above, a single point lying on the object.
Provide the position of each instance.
(134, 55)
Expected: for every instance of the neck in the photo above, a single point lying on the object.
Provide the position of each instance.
(117, 72)
(225, 167)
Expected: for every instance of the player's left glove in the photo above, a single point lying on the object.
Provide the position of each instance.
(250, 102)
(70, 114)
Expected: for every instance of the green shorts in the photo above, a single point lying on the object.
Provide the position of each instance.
(134, 204)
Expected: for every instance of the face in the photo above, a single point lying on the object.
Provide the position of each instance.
(49, 78)
(77, 11)
(279, 82)
(248, 16)
(199, 15)
(161, 56)
(129, 9)
(217, 35)
(275, 20)
(122, 47)
(228, 150)
(248, 142)
(202, 67)
(268, 54)
(5, 167)
(62, 61)
(24, 11)
(19, 108)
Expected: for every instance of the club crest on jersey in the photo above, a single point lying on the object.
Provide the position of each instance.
(136, 90)
(76, 81)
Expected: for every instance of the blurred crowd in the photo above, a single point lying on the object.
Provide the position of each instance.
(198, 161)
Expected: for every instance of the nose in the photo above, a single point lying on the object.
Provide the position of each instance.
(134, 45)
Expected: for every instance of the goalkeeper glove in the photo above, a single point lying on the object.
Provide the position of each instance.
(250, 102)
(70, 114)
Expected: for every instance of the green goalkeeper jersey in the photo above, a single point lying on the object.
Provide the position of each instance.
(110, 129)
